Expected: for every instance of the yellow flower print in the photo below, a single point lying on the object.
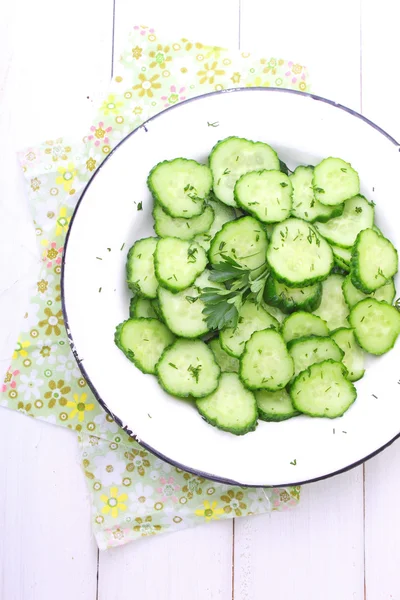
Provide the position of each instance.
(67, 176)
(79, 406)
(52, 322)
(297, 69)
(235, 78)
(137, 52)
(30, 156)
(258, 82)
(270, 65)
(62, 221)
(160, 57)
(57, 392)
(234, 502)
(302, 86)
(213, 51)
(20, 349)
(207, 75)
(145, 526)
(35, 184)
(210, 511)
(137, 110)
(42, 286)
(110, 106)
(147, 85)
(113, 503)
(91, 164)
(189, 45)
(57, 150)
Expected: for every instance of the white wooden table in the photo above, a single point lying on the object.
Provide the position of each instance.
(343, 541)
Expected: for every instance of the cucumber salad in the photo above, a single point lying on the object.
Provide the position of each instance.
(262, 290)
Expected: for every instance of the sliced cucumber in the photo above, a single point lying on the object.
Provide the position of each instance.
(274, 312)
(342, 256)
(231, 407)
(222, 214)
(252, 317)
(156, 307)
(143, 341)
(183, 311)
(297, 255)
(265, 194)
(142, 308)
(307, 351)
(188, 368)
(275, 406)
(180, 186)
(335, 181)
(352, 295)
(232, 157)
(358, 214)
(323, 390)
(266, 363)
(333, 308)
(374, 261)
(353, 358)
(140, 274)
(185, 229)
(244, 240)
(289, 300)
(376, 325)
(227, 363)
(178, 263)
(305, 206)
(302, 324)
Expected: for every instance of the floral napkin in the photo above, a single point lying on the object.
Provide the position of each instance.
(132, 492)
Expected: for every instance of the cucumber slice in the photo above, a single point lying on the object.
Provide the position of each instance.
(143, 341)
(374, 261)
(231, 407)
(156, 306)
(180, 186)
(265, 194)
(275, 406)
(183, 311)
(297, 255)
(335, 181)
(244, 240)
(140, 274)
(292, 299)
(352, 295)
(227, 364)
(342, 256)
(188, 368)
(302, 324)
(232, 157)
(266, 363)
(178, 263)
(305, 206)
(185, 229)
(274, 312)
(376, 325)
(358, 214)
(333, 308)
(252, 317)
(222, 214)
(310, 350)
(323, 390)
(141, 308)
(353, 358)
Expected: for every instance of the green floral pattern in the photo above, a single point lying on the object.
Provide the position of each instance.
(133, 493)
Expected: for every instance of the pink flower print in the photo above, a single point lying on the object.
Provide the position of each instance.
(52, 255)
(174, 96)
(143, 29)
(99, 134)
(9, 380)
(168, 489)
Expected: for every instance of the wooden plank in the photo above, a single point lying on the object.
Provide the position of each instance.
(194, 563)
(50, 61)
(314, 551)
(325, 36)
(382, 485)
(47, 549)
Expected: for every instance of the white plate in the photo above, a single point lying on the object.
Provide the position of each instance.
(303, 129)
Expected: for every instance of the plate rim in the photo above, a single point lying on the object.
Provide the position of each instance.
(74, 351)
